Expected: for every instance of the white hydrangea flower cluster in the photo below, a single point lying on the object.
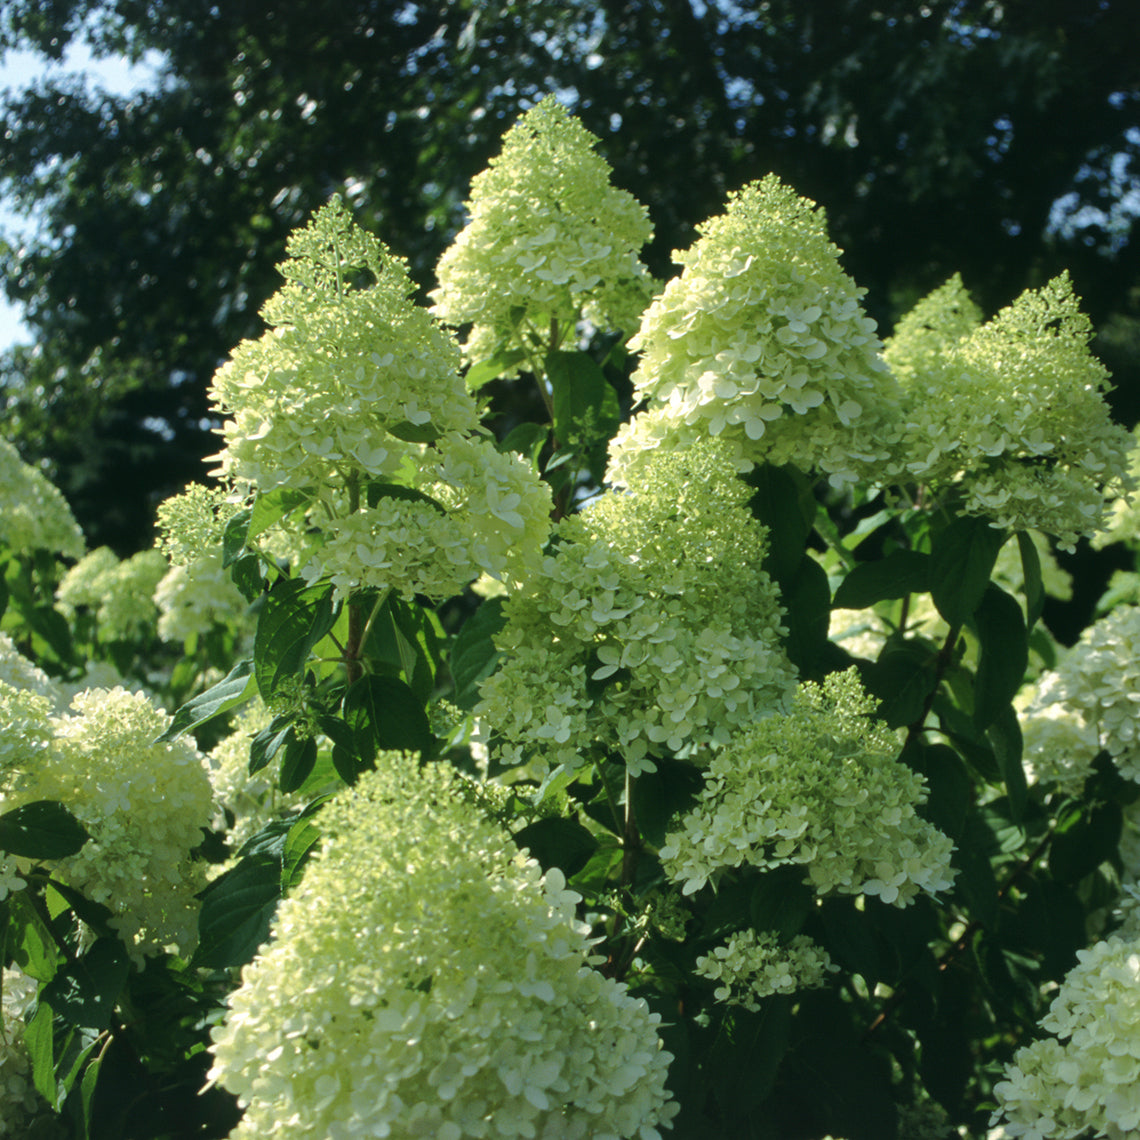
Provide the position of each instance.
(821, 786)
(1097, 685)
(119, 593)
(25, 734)
(16, 670)
(762, 339)
(353, 398)
(425, 980)
(1059, 744)
(550, 242)
(751, 967)
(33, 513)
(253, 800)
(196, 593)
(651, 629)
(1086, 1078)
(1010, 413)
(1123, 522)
(143, 803)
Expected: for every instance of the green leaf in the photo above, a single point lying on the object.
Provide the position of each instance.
(345, 760)
(237, 909)
(302, 841)
(1085, 843)
(659, 797)
(247, 577)
(235, 537)
(271, 506)
(487, 370)
(268, 742)
(38, 1038)
(294, 618)
(898, 574)
(298, 761)
(962, 558)
(784, 503)
(903, 678)
(415, 433)
(30, 941)
(234, 689)
(473, 653)
(1003, 654)
(84, 993)
(584, 400)
(744, 1059)
(383, 713)
(527, 439)
(807, 597)
(378, 490)
(947, 782)
(1004, 735)
(41, 830)
(593, 878)
(1031, 571)
(558, 842)
(781, 901)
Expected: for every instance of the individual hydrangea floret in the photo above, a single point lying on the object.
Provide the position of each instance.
(1085, 1079)
(651, 629)
(119, 593)
(549, 243)
(762, 340)
(821, 786)
(33, 514)
(751, 967)
(349, 417)
(426, 980)
(144, 804)
(1010, 414)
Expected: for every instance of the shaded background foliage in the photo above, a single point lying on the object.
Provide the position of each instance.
(997, 139)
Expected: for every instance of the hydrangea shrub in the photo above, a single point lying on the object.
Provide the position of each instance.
(697, 767)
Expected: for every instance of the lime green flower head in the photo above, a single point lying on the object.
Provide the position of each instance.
(33, 514)
(143, 803)
(751, 967)
(762, 340)
(1010, 414)
(821, 786)
(119, 593)
(549, 241)
(356, 389)
(1085, 1079)
(651, 629)
(425, 979)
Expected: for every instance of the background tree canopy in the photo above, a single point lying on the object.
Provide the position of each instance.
(973, 135)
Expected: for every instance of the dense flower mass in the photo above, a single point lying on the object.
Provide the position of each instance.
(549, 242)
(751, 967)
(20, 1104)
(425, 980)
(119, 593)
(143, 803)
(33, 514)
(1010, 413)
(821, 786)
(1087, 1076)
(1089, 703)
(762, 340)
(352, 404)
(651, 629)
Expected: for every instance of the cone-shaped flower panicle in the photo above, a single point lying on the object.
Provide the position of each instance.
(823, 787)
(352, 405)
(762, 340)
(426, 980)
(33, 514)
(651, 628)
(1010, 414)
(549, 240)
